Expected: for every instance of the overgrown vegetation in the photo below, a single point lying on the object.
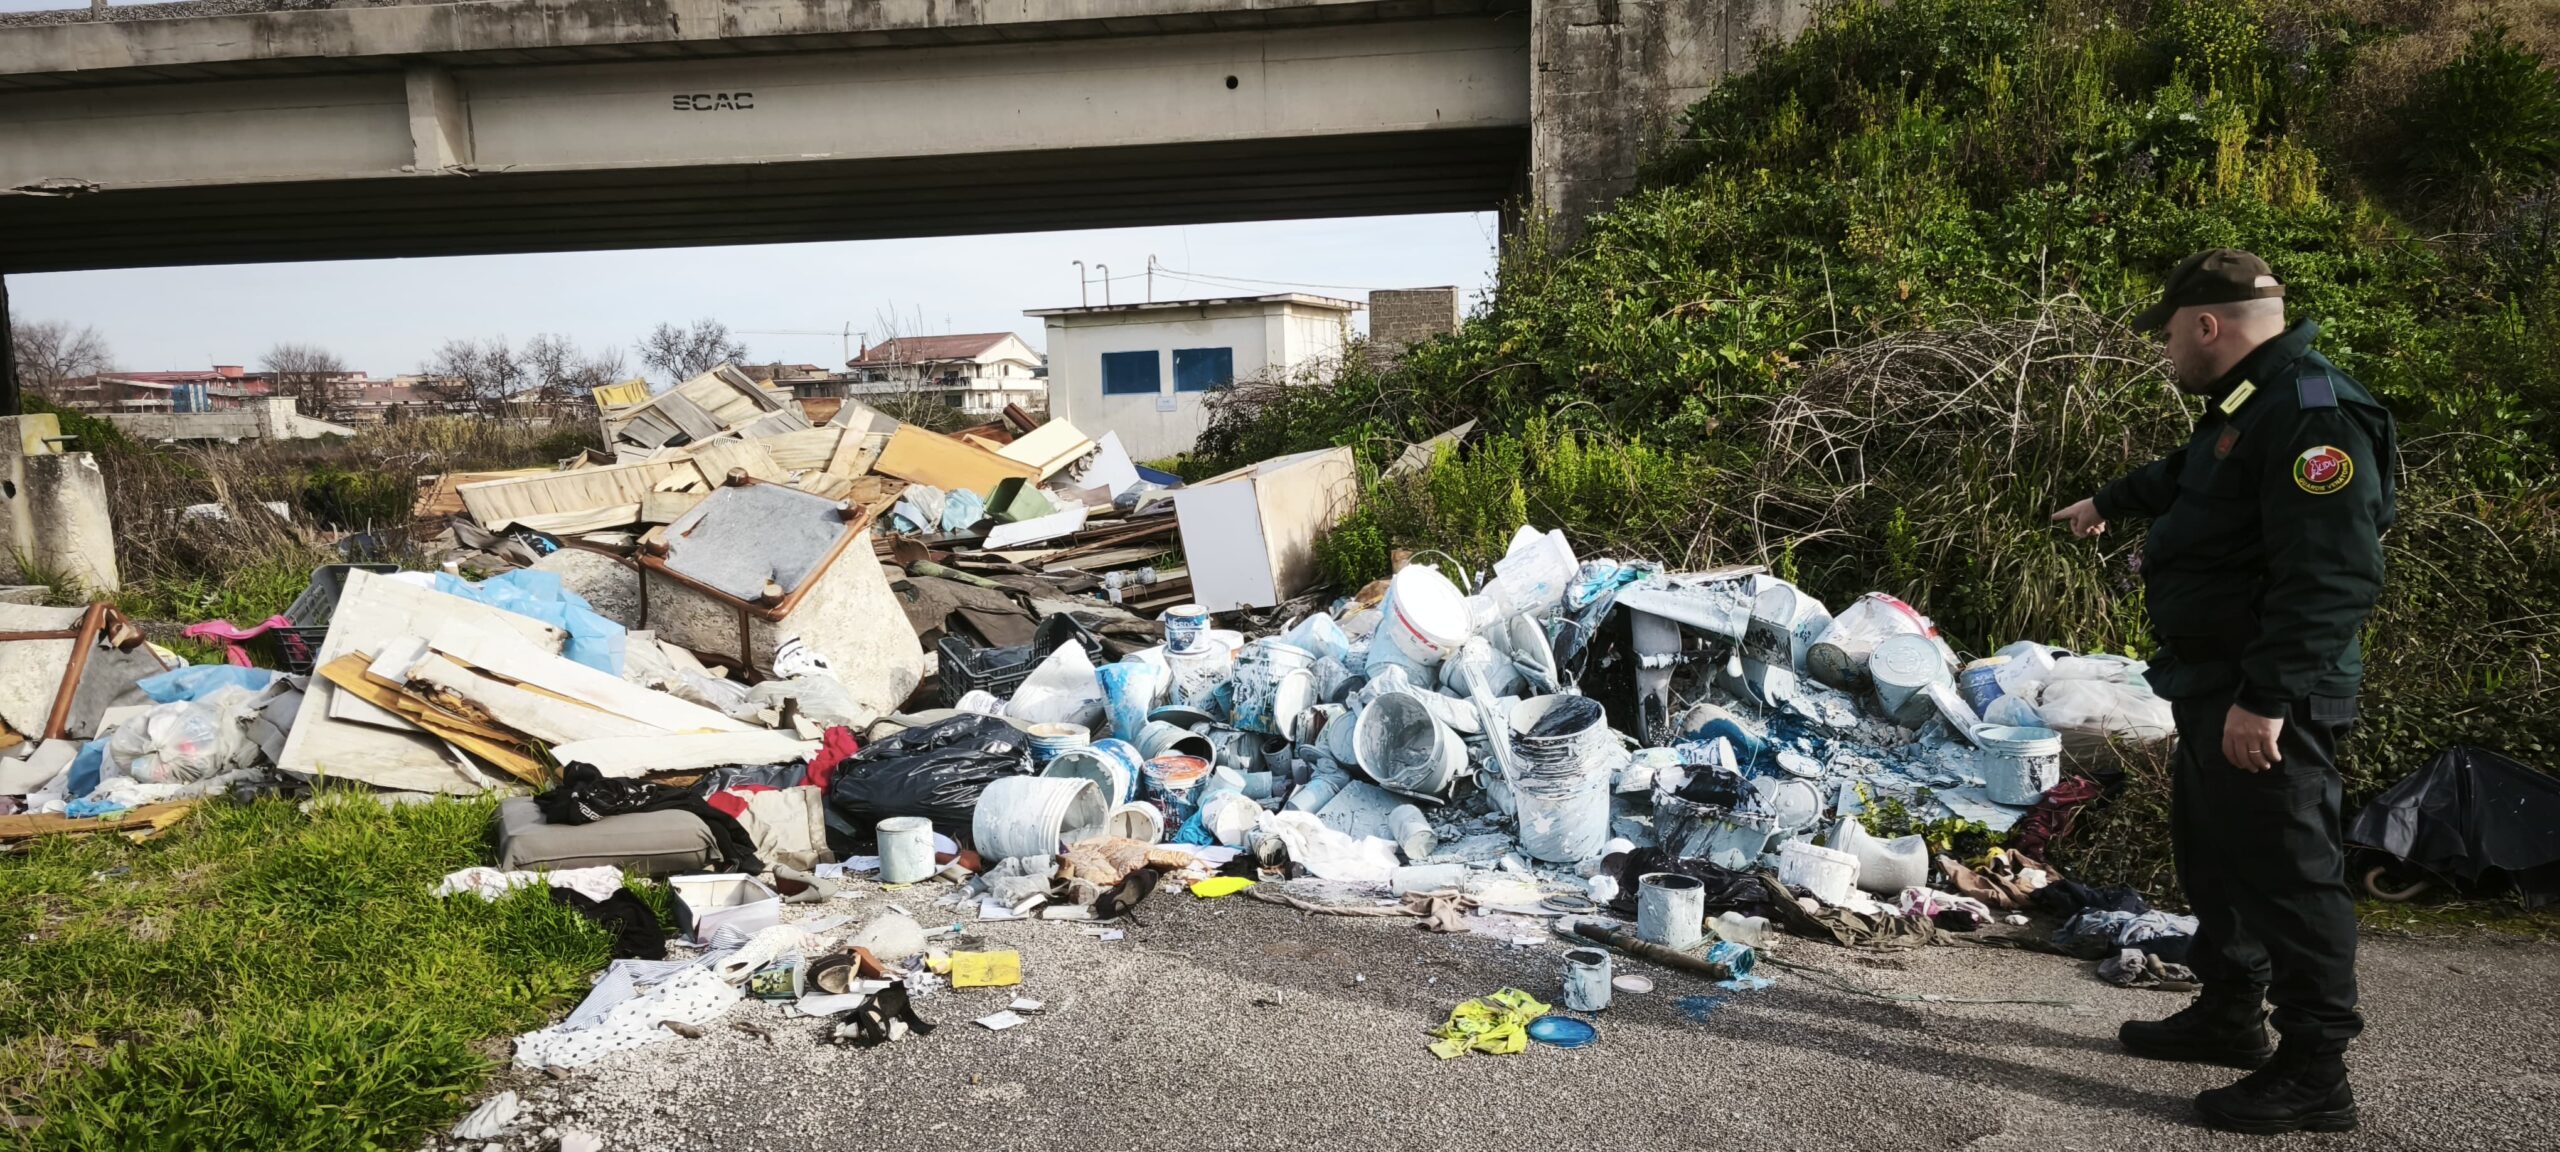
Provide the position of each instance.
(234, 556)
(257, 978)
(1865, 324)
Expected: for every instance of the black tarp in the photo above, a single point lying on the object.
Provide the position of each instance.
(2468, 812)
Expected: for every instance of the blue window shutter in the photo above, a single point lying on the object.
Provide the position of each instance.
(1203, 369)
(1131, 374)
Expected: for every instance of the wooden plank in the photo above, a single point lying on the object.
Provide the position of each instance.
(152, 816)
(583, 520)
(923, 457)
(854, 453)
(806, 449)
(497, 503)
(542, 717)
(1049, 447)
(631, 756)
(525, 664)
(347, 674)
(716, 457)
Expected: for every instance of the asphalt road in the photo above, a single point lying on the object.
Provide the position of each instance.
(1237, 1025)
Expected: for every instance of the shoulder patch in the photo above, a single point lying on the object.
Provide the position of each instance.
(2323, 470)
(2316, 391)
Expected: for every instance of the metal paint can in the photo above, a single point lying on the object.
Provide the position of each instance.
(1671, 910)
(906, 849)
(1586, 980)
(1186, 629)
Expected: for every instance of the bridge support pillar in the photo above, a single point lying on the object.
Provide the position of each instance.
(1610, 79)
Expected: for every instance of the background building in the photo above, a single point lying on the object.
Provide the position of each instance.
(1141, 370)
(977, 373)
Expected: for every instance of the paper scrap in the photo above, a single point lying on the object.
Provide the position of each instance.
(1024, 1004)
(999, 1022)
(986, 969)
(1113, 934)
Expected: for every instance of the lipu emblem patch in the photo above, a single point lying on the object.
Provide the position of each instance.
(2323, 470)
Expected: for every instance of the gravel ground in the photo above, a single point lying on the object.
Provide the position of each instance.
(1232, 1024)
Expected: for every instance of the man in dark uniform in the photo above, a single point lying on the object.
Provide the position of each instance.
(2263, 559)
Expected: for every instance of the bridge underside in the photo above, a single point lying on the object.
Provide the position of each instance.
(657, 207)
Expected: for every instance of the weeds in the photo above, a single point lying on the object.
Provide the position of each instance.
(262, 979)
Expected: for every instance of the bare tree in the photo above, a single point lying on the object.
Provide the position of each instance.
(560, 373)
(476, 374)
(49, 352)
(312, 375)
(684, 353)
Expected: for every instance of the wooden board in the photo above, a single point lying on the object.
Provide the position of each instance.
(1049, 447)
(804, 450)
(501, 749)
(714, 458)
(495, 504)
(439, 496)
(148, 819)
(919, 456)
(525, 664)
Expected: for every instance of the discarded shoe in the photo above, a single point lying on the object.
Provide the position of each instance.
(2203, 1032)
(2294, 1092)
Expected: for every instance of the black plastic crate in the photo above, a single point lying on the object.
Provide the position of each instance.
(966, 666)
(299, 642)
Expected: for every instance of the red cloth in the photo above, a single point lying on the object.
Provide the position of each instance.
(733, 801)
(2051, 819)
(232, 634)
(835, 746)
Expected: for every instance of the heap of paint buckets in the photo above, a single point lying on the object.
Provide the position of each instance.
(1383, 746)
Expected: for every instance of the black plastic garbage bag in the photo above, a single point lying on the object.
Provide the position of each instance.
(2468, 812)
(937, 772)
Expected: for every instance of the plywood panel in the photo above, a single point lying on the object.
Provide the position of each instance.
(923, 457)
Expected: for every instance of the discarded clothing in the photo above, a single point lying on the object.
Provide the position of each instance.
(2007, 881)
(596, 884)
(1883, 931)
(2096, 933)
(1930, 904)
(1497, 1025)
(2134, 968)
(636, 935)
(693, 997)
(2064, 899)
(2052, 817)
(888, 1015)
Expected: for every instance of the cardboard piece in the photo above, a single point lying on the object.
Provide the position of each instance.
(919, 456)
(1049, 447)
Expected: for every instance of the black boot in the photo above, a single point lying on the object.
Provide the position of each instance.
(2298, 1091)
(2227, 1031)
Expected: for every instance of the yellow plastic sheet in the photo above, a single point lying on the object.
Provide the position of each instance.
(1217, 886)
(1497, 1025)
(986, 969)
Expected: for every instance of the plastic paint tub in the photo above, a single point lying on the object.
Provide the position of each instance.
(1033, 815)
(1118, 782)
(1586, 980)
(1402, 746)
(1048, 740)
(1885, 867)
(1980, 681)
(1829, 875)
(1671, 910)
(1131, 687)
(1901, 667)
(1422, 620)
(1566, 758)
(906, 849)
(1839, 657)
(2018, 764)
(1137, 820)
(1160, 739)
(1737, 959)
(1412, 833)
(1173, 782)
(1186, 629)
(1412, 878)
(1313, 795)
(1260, 669)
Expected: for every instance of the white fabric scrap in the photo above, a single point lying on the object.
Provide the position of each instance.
(694, 997)
(598, 883)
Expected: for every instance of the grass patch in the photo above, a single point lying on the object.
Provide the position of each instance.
(262, 979)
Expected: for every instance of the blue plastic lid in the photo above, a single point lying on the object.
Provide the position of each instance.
(1562, 1032)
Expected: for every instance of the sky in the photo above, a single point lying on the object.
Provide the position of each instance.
(788, 302)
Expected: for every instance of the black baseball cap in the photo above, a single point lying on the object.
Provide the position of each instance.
(2213, 276)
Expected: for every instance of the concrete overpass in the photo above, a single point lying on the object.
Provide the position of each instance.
(533, 125)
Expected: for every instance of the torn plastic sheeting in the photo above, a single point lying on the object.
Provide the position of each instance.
(593, 640)
(1330, 855)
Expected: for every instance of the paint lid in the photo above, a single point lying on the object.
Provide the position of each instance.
(1562, 1032)
(1633, 984)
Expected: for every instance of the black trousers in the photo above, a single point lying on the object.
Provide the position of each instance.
(2260, 858)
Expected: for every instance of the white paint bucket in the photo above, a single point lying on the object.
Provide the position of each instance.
(1839, 656)
(1784, 623)
(1402, 746)
(1186, 629)
(1671, 910)
(1313, 795)
(906, 849)
(1564, 772)
(1260, 669)
(2018, 764)
(1048, 740)
(1422, 620)
(1116, 779)
(1586, 980)
(1139, 821)
(1903, 667)
(1412, 878)
(1033, 815)
(1828, 874)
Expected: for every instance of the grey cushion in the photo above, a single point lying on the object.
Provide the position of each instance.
(642, 843)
